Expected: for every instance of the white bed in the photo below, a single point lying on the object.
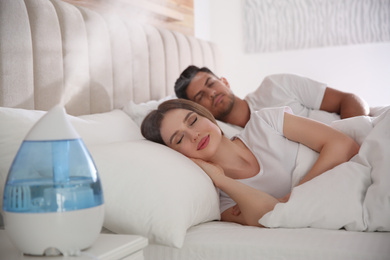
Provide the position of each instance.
(99, 66)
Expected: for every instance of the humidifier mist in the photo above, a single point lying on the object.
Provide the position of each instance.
(53, 199)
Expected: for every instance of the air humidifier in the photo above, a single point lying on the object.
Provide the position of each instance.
(53, 199)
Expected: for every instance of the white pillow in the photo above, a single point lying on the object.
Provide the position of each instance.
(229, 130)
(354, 195)
(138, 112)
(100, 128)
(355, 127)
(153, 191)
(332, 200)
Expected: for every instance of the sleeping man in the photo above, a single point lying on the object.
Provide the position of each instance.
(304, 96)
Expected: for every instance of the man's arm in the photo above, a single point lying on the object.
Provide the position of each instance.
(344, 104)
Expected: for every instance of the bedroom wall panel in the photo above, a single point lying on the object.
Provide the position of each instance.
(157, 64)
(140, 60)
(184, 50)
(100, 62)
(196, 51)
(208, 58)
(75, 56)
(84, 59)
(217, 56)
(172, 64)
(48, 70)
(122, 65)
(16, 79)
(289, 25)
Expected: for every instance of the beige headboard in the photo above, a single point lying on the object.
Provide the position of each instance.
(53, 52)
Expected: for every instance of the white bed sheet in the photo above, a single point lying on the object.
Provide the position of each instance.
(222, 240)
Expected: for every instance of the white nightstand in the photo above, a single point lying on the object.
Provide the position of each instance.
(106, 247)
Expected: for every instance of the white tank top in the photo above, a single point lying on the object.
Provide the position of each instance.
(276, 155)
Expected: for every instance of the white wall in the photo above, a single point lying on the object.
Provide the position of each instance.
(361, 69)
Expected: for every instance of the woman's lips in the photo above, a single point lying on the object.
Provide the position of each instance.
(204, 142)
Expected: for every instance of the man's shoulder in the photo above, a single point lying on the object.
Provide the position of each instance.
(271, 85)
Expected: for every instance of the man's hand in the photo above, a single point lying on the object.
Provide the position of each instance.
(343, 103)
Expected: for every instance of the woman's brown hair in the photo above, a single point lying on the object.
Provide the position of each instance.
(150, 127)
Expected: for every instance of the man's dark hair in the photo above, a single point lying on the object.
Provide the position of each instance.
(185, 79)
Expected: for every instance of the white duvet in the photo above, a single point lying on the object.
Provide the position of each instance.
(354, 195)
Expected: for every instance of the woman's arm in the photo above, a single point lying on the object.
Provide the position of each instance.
(253, 203)
(333, 146)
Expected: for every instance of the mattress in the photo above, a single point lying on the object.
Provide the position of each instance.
(222, 240)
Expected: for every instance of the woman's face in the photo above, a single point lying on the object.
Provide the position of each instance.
(193, 135)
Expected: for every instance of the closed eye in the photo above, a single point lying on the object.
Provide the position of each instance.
(180, 139)
(193, 122)
(198, 97)
(210, 84)
(189, 119)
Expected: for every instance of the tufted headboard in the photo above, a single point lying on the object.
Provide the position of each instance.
(53, 52)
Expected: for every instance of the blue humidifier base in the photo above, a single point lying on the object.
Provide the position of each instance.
(51, 233)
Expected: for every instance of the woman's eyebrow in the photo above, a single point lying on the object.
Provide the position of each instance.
(185, 119)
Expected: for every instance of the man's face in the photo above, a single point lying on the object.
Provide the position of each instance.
(212, 93)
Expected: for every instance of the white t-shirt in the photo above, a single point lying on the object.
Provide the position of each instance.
(303, 95)
(276, 155)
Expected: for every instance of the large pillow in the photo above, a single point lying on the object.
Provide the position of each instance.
(138, 112)
(354, 195)
(332, 200)
(153, 191)
(356, 127)
(100, 128)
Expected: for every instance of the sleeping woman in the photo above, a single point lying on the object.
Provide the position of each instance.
(254, 169)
